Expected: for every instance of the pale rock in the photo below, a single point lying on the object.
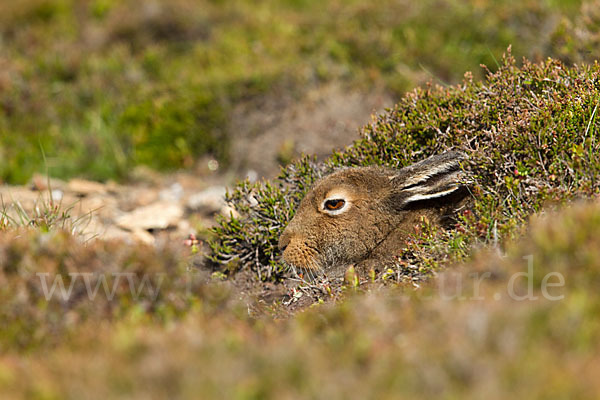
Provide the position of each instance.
(172, 193)
(25, 198)
(40, 183)
(102, 206)
(139, 235)
(252, 175)
(114, 233)
(137, 197)
(208, 201)
(143, 236)
(229, 211)
(252, 200)
(57, 195)
(84, 187)
(184, 226)
(160, 215)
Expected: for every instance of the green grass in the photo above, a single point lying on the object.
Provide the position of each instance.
(104, 85)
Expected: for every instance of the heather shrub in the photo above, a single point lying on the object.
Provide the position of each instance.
(531, 137)
(52, 283)
(446, 340)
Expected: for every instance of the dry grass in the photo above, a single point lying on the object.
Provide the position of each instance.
(442, 341)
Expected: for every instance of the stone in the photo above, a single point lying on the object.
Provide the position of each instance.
(84, 187)
(57, 195)
(40, 183)
(137, 197)
(172, 193)
(229, 211)
(160, 215)
(114, 233)
(140, 235)
(210, 201)
(143, 236)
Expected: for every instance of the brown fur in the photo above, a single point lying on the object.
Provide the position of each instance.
(383, 204)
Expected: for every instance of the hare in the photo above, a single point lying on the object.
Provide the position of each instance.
(363, 215)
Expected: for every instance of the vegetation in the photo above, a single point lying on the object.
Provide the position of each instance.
(104, 85)
(443, 340)
(46, 215)
(531, 136)
(101, 86)
(52, 283)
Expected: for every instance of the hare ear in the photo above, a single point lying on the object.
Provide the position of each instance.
(433, 178)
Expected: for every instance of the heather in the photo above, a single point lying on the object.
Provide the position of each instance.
(530, 135)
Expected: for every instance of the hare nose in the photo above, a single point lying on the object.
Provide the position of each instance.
(284, 240)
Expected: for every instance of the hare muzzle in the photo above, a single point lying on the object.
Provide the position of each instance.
(297, 253)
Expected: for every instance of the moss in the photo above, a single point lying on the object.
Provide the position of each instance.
(530, 134)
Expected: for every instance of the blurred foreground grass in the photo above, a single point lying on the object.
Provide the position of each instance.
(463, 335)
(103, 85)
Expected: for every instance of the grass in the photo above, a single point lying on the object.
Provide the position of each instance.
(444, 340)
(105, 85)
(46, 214)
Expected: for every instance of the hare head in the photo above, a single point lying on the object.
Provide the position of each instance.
(365, 213)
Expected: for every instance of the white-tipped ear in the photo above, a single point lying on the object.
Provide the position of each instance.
(433, 178)
(431, 195)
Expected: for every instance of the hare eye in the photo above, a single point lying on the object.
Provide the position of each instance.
(334, 204)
